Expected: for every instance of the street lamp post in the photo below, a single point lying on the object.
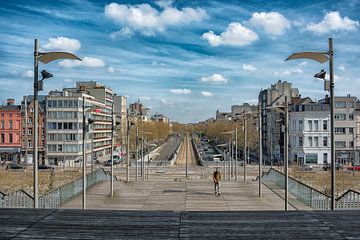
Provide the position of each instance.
(112, 150)
(286, 153)
(260, 150)
(245, 146)
(44, 57)
(236, 151)
(323, 57)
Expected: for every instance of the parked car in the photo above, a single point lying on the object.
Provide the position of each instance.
(306, 168)
(354, 168)
(43, 166)
(327, 166)
(14, 166)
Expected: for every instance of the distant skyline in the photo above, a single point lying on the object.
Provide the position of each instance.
(184, 59)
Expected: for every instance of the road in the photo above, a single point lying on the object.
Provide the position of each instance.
(181, 159)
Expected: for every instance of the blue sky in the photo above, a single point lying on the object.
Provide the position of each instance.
(185, 59)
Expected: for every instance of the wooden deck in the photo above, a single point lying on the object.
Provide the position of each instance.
(105, 224)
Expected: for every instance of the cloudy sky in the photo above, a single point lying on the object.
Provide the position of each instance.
(185, 59)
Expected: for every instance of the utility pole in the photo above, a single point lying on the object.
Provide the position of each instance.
(136, 153)
(286, 153)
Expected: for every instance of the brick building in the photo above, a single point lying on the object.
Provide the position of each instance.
(10, 132)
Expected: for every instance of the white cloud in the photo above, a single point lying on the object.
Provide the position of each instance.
(206, 94)
(155, 63)
(110, 70)
(274, 23)
(215, 78)
(333, 22)
(234, 35)
(28, 74)
(180, 91)
(342, 68)
(68, 80)
(149, 20)
(288, 72)
(302, 64)
(248, 68)
(62, 44)
(86, 62)
(145, 98)
(327, 77)
(124, 32)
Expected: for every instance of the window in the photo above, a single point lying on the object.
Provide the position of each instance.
(29, 143)
(29, 120)
(301, 125)
(32, 109)
(300, 141)
(310, 126)
(351, 116)
(351, 144)
(325, 157)
(59, 126)
(51, 125)
(10, 124)
(310, 141)
(59, 148)
(2, 124)
(325, 125)
(340, 130)
(311, 158)
(29, 131)
(340, 104)
(316, 125)
(10, 138)
(51, 148)
(60, 103)
(340, 144)
(316, 141)
(2, 138)
(66, 103)
(325, 141)
(351, 130)
(10, 114)
(340, 116)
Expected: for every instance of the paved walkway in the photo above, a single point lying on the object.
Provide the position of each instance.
(179, 195)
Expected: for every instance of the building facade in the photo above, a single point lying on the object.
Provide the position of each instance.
(269, 99)
(64, 122)
(120, 116)
(10, 132)
(27, 140)
(309, 133)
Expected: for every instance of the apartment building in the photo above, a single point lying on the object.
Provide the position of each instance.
(357, 140)
(27, 139)
(10, 132)
(309, 133)
(271, 98)
(120, 116)
(64, 122)
(345, 128)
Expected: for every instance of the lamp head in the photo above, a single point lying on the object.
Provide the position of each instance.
(321, 74)
(45, 74)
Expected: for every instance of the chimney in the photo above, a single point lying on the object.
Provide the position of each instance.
(10, 101)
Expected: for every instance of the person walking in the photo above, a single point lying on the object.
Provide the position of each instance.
(217, 179)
